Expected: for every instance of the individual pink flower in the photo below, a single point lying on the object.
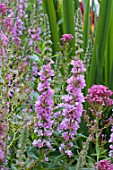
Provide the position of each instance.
(69, 153)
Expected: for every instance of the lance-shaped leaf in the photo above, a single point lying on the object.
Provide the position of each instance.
(48, 7)
(101, 38)
(110, 52)
(86, 24)
(68, 19)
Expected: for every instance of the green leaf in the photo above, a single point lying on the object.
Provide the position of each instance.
(13, 167)
(86, 24)
(110, 52)
(68, 20)
(58, 158)
(76, 5)
(34, 95)
(32, 153)
(98, 71)
(101, 38)
(50, 11)
(79, 135)
(34, 57)
(59, 109)
(111, 78)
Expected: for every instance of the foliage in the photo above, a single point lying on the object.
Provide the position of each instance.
(47, 64)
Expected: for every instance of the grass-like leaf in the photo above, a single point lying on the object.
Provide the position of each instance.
(101, 38)
(48, 7)
(68, 19)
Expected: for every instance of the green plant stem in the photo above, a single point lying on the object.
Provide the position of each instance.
(97, 144)
(64, 161)
(5, 151)
(65, 66)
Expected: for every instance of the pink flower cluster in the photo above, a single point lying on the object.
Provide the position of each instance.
(99, 98)
(73, 102)
(66, 37)
(104, 165)
(3, 8)
(43, 107)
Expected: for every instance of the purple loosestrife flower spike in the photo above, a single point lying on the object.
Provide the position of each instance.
(43, 107)
(73, 103)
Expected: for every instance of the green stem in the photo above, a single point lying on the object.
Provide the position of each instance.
(64, 163)
(97, 144)
(5, 151)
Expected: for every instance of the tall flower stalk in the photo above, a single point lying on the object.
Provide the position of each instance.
(78, 34)
(73, 105)
(43, 108)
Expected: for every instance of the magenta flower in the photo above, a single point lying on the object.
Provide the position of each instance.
(99, 98)
(104, 165)
(3, 8)
(66, 37)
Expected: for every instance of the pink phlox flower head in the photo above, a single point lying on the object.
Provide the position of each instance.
(66, 37)
(99, 95)
(104, 165)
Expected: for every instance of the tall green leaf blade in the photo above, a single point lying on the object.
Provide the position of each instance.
(110, 48)
(101, 37)
(107, 67)
(86, 24)
(68, 19)
(48, 7)
(59, 16)
(111, 78)
(76, 4)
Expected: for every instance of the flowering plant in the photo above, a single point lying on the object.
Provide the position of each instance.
(43, 99)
